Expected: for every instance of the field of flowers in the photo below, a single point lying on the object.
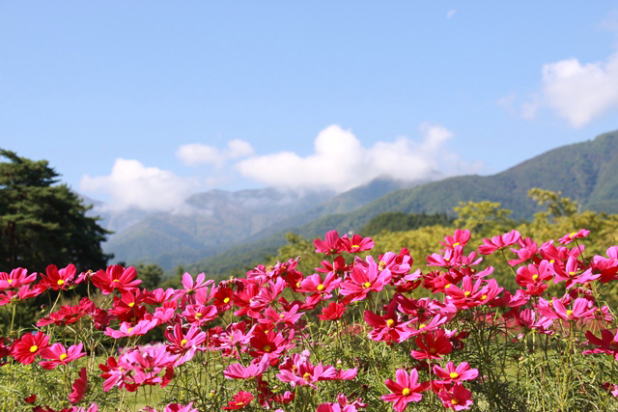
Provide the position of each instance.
(359, 333)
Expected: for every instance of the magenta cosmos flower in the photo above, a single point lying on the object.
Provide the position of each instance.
(405, 389)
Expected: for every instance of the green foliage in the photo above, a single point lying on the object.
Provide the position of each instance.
(43, 222)
(483, 217)
(398, 222)
(150, 274)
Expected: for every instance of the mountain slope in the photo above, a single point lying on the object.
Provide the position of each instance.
(586, 172)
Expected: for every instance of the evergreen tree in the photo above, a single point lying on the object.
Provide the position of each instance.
(42, 221)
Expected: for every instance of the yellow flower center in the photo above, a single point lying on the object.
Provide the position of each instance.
(572, 273)
(572, 234)
(306, 376)
(456, 244)
(131, 304)
(381, 265)
(454, 401)
(320, 287)
(569, 312)
(389, 322)
(422, 325)
(183, 342)
(115, 280)
(33, 348)
(367, 285)
(60, 282)
(63, 356)
(405, 391)
(552, 261)
(535, 276)
(226, 300)
(281, 316)
(10, 281)
(130, 330)
(454, 375)
(267, 348)
(355, 246)
(483, 297)
(448, 285)
(467, 293)
(198, 315)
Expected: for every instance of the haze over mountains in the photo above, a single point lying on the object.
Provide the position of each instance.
(254, 220)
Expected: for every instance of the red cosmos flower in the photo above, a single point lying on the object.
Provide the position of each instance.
(332, 311)
(606, 267)
(454, 374)
(288, 317)
(472, 294)
(30, 399)
(432, 345)
(56, 355)
(607, 343)
(496, 243)
(457, 398)
(331, 245)
(239, 401)
(388, 328)
(533, 277)
(67, 315)
(270, 343)
(527, 251)
(116, 277)
(26, 348)
(338, 266)
(405, 389)
(173, 407)
(357, 244)
(58, 279)
(182, 342)
(582, 233)
(80, 386)
(573, 272)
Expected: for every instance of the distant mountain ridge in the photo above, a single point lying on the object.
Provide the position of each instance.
(214, 221)
(586, 172)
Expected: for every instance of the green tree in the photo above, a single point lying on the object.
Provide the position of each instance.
(42, 221)
(150, 274)
(484, 218)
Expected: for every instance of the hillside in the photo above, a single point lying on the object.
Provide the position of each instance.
(586, 172)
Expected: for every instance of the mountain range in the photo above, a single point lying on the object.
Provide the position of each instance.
(220, 228)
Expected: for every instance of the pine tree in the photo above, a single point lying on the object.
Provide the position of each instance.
(43, 221)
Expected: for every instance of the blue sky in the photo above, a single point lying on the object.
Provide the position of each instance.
(110, 92)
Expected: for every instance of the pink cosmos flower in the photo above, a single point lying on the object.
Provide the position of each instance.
(533, 277)
(331, 245)
(388, 328)
(16, 279)
(56, 355)
(405, 389)
(315, 284)
(126, 329)
(496, 243)
(607, 343)
(582, 233)
(459, 238)
(454, 374)
(364, 278)
(582, 309)
(256, 368)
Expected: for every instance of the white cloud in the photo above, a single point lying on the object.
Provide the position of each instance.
(131, 184)
(196, 153)
(451, 13)
(577, 91)
(340, 162)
